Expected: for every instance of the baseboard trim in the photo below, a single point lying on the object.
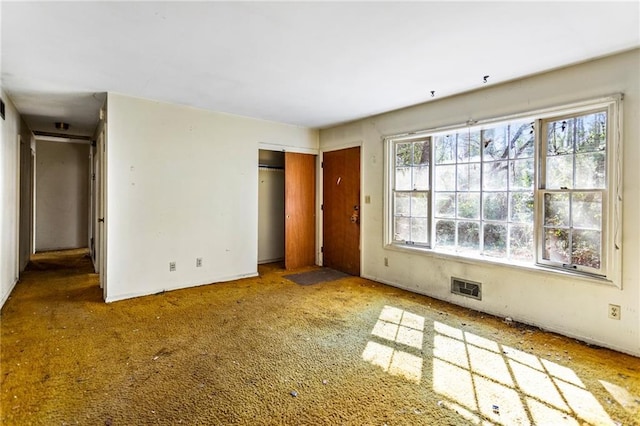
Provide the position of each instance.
(179, 287)
(5, 296)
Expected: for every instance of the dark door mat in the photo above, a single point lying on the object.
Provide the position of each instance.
(316, 276)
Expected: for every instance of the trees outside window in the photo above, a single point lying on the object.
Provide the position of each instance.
(484, 191)
(411, 184)
(537, 191)
(573, 191)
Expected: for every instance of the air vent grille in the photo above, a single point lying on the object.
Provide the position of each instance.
(466, 288)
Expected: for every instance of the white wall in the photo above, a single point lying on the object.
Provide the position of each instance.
(270, 215)
(27, 145)
(182, 183)
(9, 186)
(571, 306)
(10, 127)
(62, 195)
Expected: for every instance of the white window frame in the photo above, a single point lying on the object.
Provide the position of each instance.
(611, 260)
(427, 191)
(480, 162)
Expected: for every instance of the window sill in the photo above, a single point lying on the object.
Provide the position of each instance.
(480, 260)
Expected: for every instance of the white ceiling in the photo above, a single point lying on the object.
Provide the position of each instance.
(312, 64)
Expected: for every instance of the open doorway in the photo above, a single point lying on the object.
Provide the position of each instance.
(286, 208)
(62, 194)
(270, 206)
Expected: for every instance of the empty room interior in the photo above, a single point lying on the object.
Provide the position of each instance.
(380, 213)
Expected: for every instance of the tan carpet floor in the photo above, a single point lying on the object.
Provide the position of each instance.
(265, 351)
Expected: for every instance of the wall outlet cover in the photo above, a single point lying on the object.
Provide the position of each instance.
(614, 312)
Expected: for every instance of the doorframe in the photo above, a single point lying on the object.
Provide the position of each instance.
(102, 208)
(32, 204)
(98, 202)
(320, 192)
(25, 193)
(280, 168)
(298, 150)
(91, 234)
(18, 211)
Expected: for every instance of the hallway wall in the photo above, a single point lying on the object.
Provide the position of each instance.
(10, 127)
(27, 148)
(62, 195)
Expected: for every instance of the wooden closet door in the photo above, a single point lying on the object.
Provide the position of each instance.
(300, 210)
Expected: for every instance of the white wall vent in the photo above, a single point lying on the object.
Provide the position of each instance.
(466, 288)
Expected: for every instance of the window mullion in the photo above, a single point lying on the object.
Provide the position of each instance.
(413, 147)
(573, 187)
(570, 248)
(480, 213)
(455, 193)
(509, 163)
(540, 166)
(432, 192)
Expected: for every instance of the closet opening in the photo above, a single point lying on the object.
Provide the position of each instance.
(271, 212)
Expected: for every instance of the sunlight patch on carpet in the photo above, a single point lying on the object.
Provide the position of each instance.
(483, 380)
(491, 379)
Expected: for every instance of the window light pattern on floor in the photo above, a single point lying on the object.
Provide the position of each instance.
(403, 329)
(480, 379)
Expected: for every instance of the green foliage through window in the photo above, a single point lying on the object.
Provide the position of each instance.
(411, 191)
(505, 192)
(484, 185)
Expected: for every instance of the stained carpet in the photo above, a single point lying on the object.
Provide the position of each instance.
(265, 351)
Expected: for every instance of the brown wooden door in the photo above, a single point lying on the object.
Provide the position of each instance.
(299, 210)
(341, 210)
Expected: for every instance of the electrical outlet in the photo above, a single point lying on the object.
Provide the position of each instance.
(172, 266)
(614, 312)
(198, 262)
(386, 261)
(367, 199)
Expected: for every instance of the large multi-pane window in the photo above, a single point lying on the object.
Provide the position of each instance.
(536, 190)
(484, 191)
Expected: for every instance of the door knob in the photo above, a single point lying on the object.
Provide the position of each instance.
(355, 215)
